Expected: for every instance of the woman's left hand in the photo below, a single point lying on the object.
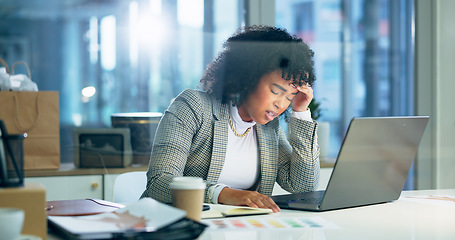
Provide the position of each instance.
(303, 98)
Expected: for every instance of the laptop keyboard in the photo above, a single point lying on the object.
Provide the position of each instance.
(308, 197)
(314, 200)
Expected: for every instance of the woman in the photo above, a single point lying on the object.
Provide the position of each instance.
(229, 134)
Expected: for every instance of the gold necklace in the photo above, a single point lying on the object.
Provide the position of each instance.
(235, 132)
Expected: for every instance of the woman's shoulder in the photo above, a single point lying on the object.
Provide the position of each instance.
(194, 94)
(197, 100)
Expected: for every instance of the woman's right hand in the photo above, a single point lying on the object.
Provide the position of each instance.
(246, 198)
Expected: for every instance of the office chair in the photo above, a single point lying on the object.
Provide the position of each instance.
(128, 187)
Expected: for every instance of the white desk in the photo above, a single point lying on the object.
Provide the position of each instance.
(403, 219)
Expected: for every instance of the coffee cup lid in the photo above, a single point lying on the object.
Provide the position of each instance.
(187, 183)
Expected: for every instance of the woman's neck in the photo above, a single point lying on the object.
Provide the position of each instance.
(244, 114)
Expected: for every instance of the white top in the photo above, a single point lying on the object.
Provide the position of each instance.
(241, 167)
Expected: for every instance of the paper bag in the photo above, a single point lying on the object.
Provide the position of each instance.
(37, 115)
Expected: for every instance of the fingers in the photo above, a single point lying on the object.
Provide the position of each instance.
(306, 85)
(307, 90)
(261, 201)
(268, 203)
(247, 198)
(303, 98)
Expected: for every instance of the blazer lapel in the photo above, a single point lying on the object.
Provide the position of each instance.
(268, 151)
(220, 139)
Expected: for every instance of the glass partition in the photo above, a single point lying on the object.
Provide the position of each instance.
(113, 56)
(364, 56)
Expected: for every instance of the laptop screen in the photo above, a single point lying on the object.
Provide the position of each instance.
(374, 160)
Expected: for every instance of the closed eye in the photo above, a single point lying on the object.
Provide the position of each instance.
(293, 94)
(281, 89)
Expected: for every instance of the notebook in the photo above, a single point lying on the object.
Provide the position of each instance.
(372, 165)
(222, 210)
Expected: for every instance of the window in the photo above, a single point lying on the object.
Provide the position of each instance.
(363, 57)
(107, 57)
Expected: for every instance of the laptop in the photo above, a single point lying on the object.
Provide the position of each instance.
(371, 167)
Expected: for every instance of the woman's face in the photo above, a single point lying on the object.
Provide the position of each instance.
(271, 98)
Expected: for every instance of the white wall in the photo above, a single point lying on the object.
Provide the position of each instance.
(435, 91)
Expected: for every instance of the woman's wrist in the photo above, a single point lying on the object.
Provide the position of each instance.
(214, 192)
(224, 195)
(305, 115)
(300, 109)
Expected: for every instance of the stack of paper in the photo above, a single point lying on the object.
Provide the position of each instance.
(146, 215)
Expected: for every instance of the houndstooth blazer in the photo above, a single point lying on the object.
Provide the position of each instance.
(191, 140)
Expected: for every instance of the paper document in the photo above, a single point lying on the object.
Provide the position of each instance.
(440, 200)
(269, 223)
(145, 215)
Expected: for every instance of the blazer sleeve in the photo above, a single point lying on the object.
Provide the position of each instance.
(298, 163)
(171, 145)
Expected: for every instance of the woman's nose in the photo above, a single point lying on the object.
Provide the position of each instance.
(280, 103)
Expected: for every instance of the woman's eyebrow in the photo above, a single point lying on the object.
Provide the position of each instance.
(280, 87)
(284, 89)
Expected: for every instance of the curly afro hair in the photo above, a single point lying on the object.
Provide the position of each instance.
(252, 52)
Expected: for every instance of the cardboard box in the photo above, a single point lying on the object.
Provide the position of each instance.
(32, 199)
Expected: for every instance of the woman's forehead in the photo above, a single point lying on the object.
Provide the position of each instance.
(275, 78)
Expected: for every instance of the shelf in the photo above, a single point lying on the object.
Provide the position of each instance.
(68, 169)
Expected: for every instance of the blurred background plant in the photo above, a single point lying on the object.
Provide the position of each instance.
(315, 108)
(323, 130)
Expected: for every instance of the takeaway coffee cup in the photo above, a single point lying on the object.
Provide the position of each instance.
(11, 221)
(188, 195)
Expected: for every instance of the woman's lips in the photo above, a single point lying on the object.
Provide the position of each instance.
(271, 115)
